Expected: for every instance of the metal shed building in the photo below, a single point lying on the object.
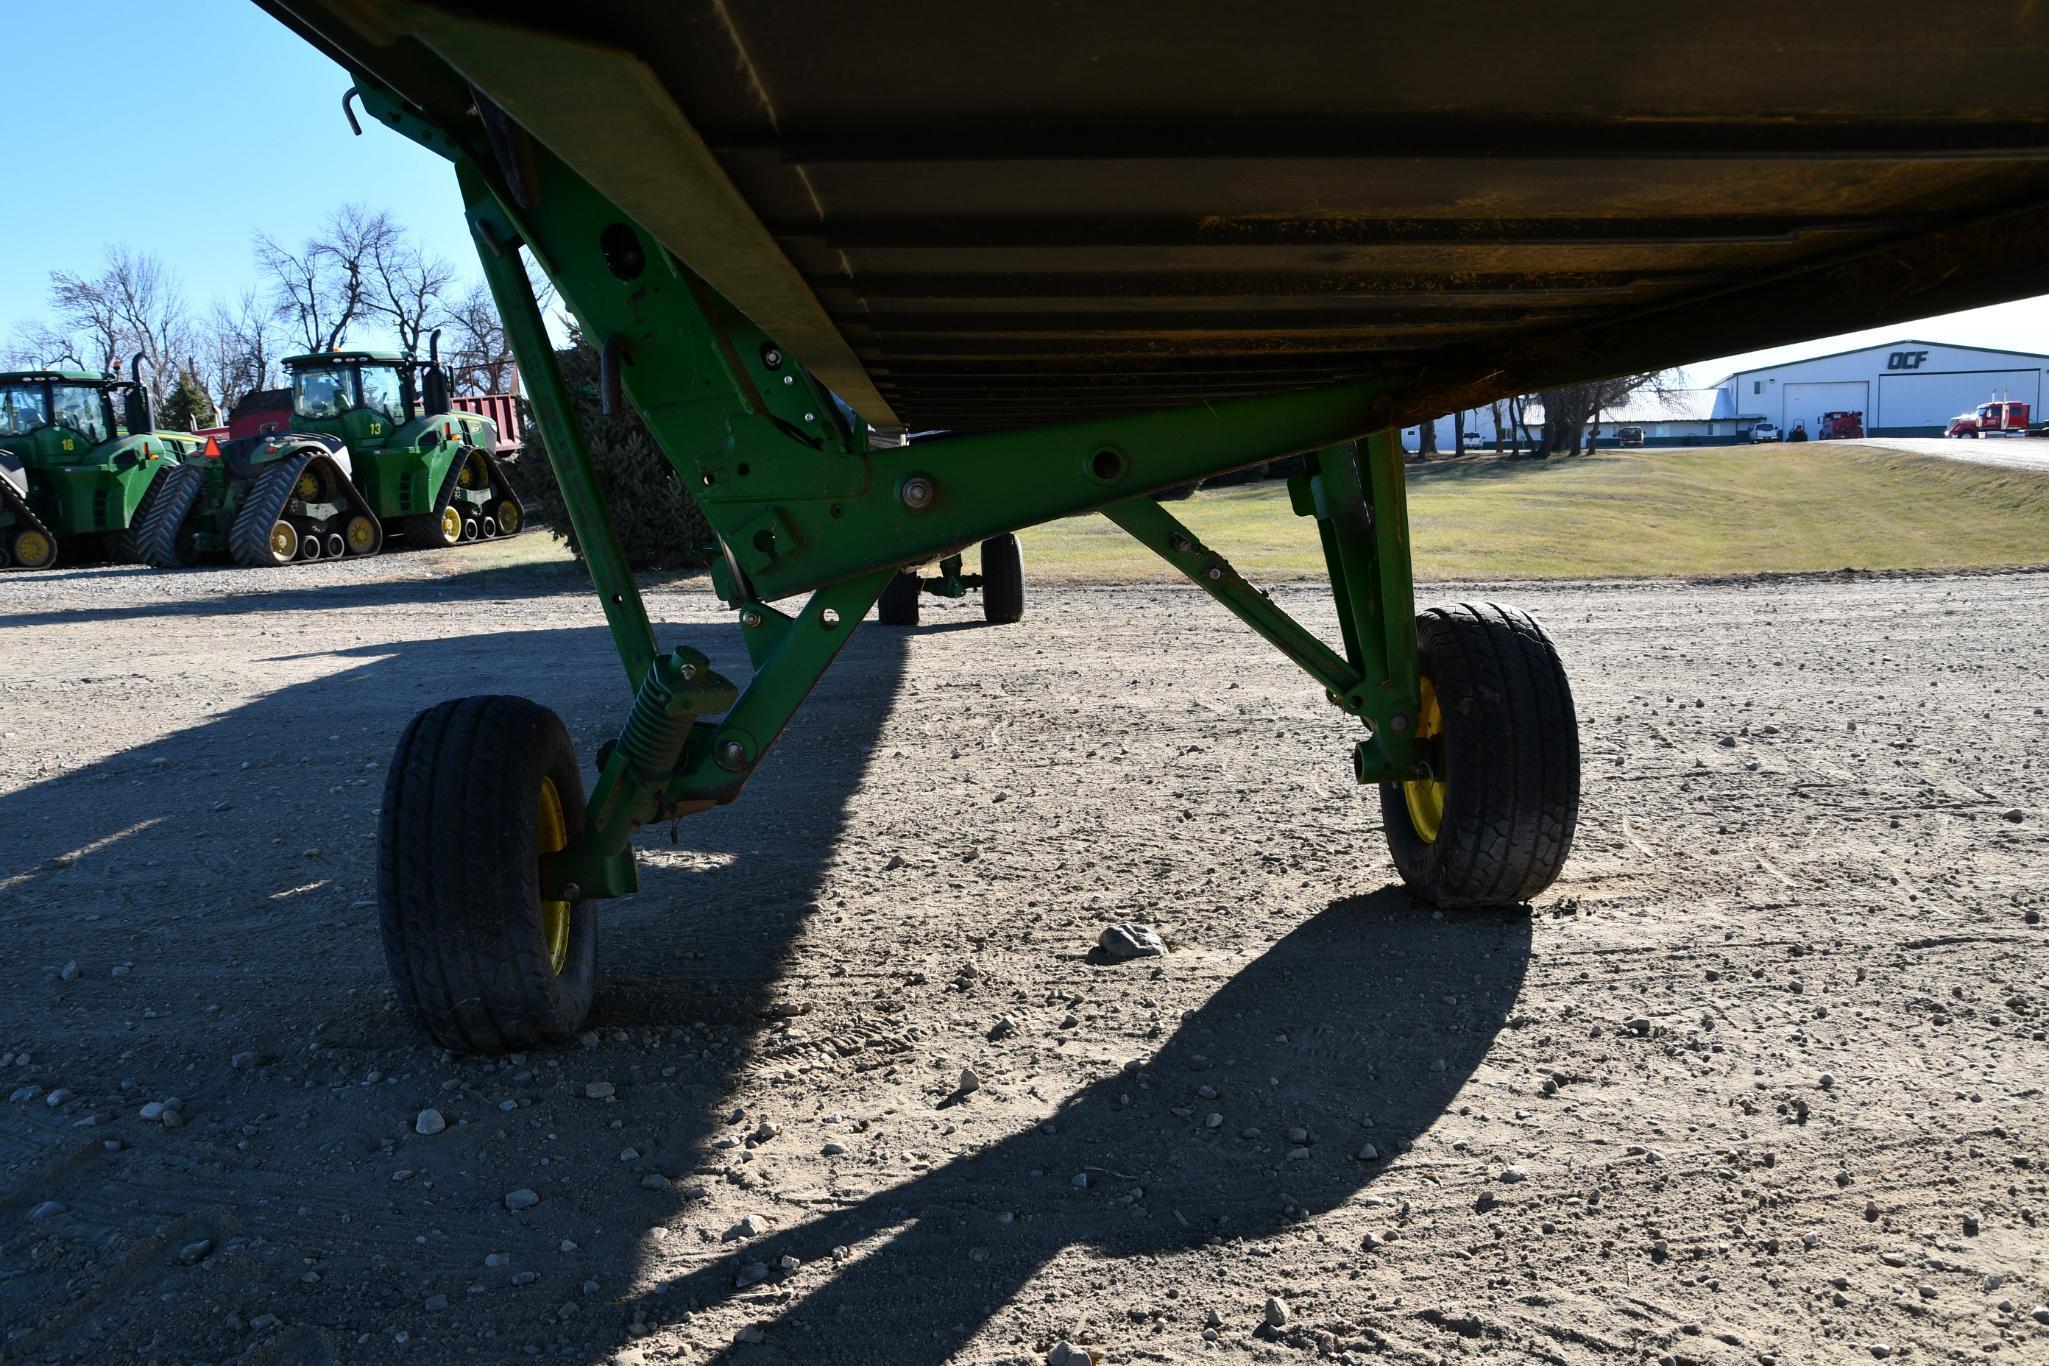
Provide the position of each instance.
(1903, 388)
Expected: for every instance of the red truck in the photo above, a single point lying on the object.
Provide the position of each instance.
(1841, 427)
(2002, 417)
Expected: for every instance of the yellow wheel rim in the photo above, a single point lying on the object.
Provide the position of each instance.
(307, 488)
(475, 473)
(362, 534)
(508, 518)
(33, 549)
(451, 525)
(1425, 796)
(284, 542)
(551, 832)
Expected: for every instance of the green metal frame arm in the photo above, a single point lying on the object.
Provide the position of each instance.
(1160, 531)
(721, 755)
(596, 536)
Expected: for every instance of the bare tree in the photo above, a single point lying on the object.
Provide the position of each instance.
(237, 350)
(1568, 409)
(323, 287)
(1458, 432)
(1494, 409)
(133, 305)
(406, 285)
(479, 357)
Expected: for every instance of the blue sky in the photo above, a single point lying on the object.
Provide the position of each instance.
(217, 95)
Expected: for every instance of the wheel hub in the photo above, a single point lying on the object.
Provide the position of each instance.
(551, 832)
(33, 549)
(451, 525)
(284, 542)
(1425, 796)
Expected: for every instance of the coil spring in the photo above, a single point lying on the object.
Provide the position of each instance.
(657, 727)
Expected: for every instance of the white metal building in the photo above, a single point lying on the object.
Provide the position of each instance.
(1903, 388)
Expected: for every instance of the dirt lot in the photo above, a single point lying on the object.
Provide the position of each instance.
(1761, 1079)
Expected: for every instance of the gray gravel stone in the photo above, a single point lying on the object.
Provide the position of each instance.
(429, 1122)
(523, 1198)
(1124, 941)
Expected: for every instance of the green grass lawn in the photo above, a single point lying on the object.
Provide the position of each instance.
(1724, 510)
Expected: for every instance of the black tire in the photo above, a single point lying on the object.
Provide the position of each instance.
(1002, 580)
(1509, 755)
(898, 605)
(458, 877)
(163, 540)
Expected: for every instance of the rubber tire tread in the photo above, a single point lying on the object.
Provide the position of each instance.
(458, 886)
(249, 535)
(162, 515)
(898, 605)
(1512, 761)
(1002, 580)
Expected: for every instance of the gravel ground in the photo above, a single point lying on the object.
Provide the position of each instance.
(1760, 1079)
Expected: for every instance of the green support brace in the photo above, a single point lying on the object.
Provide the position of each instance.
(596, 537)
(1362, 517)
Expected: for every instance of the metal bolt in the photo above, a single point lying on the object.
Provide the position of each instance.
(1398, 723)
(1181, 543)
(750, 618)
(570, 891)
(1215, 575)
(687, 672)
(811, 417)
(918, 493)
(732, 755)
(789, 379)
(771, 357)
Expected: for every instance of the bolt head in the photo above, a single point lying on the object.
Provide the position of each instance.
(732, 755)
(750, 618)
(571, 892)
(1180, 543)
(918, 493)
(1215, 575)
(789, 379)
(811, 417)
(1398, 723)
(687, 672)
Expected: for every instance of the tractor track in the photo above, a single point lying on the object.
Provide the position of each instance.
(1778, 876)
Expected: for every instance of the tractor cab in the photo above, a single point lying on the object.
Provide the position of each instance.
(363, 397)
(56, 417)
(68, 470)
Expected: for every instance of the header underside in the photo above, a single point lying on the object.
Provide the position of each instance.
(961, 215)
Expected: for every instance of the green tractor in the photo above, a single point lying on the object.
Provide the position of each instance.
(66, 471)
(373, 444)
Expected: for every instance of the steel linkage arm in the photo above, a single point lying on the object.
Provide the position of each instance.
(1362, 516)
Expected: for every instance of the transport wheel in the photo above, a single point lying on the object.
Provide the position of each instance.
(1002, 580)
(470, 529)
(32, 549)
(1492, 822)
(898, 605)
(507, 513)
(361, 535)
(283, 545)
(479, 789)
(309, 546)
(450, 526)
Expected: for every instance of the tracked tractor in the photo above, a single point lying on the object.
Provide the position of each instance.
(68, 475)
(371, 445)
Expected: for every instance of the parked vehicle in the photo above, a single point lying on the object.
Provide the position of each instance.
(2002, 417)
(1763, 432)
(1842, 426)
(1629, 436)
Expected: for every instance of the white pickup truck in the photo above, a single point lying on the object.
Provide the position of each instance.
(1763, 431)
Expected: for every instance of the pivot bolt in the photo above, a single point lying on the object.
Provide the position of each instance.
(771, 357)
(1398, 723)
(732, 755)
(1215, 574)
(1181, 543)
(918, 493)
(571, 892)
(687, 672)
(750, 618)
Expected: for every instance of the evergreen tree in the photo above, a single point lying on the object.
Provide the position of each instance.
(186, 406)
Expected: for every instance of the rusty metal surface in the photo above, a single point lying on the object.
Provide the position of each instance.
(1021, 214)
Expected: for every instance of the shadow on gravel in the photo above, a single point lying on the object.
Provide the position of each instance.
(1372, 1010)
(231, 863)
(219, 590)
